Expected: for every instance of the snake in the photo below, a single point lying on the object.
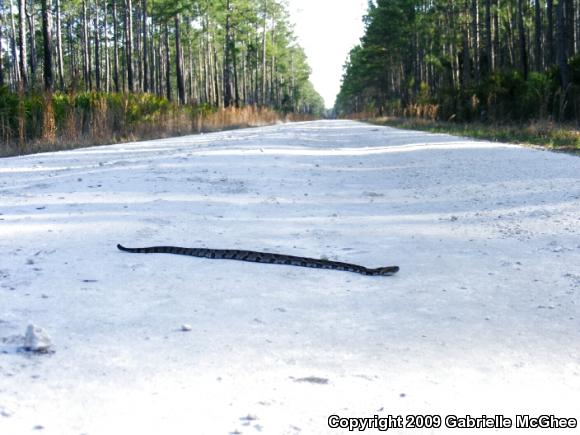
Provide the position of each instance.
(264, 257)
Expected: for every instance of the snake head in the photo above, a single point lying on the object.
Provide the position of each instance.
(386, 271)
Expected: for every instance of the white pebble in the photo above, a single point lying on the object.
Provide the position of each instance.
(186, 327)
(36, 339)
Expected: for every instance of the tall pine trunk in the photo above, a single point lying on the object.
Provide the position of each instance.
(1, 48)
(263, 89)
(153, 54)
(15, 63)
(475, 38)
(488, 44)
(129, 44)
(562, 46)
(497, 62)
(86, 52)
(550, 32)
(144, 50)
(216, 77)
(466, 77)
(106, 48)
(522, 40)
(59, 46)
(178, 62)
(570, 27)
(32, 44)
(538, 35)
(47, 46)
(236, 81)
(22, 41)
(97, 47)
(48, 124)
(115, 47)
(228, 97)
(167, 64)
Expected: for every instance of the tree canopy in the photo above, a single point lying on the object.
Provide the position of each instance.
(203, 52)
(466, 59)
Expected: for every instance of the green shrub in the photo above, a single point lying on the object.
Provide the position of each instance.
(8, 114)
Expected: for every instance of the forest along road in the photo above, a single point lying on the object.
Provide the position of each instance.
(482, 318)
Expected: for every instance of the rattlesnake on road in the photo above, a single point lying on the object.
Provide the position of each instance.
(263, 257)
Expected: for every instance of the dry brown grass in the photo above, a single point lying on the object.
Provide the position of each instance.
(105, 121)
(48, 134)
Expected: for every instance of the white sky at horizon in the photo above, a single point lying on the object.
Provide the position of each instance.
(327, 30)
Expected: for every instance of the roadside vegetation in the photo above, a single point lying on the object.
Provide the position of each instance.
(557, 137)
(37, 122)
(506, 71)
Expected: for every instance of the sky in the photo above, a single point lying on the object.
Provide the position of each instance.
(327, 30)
